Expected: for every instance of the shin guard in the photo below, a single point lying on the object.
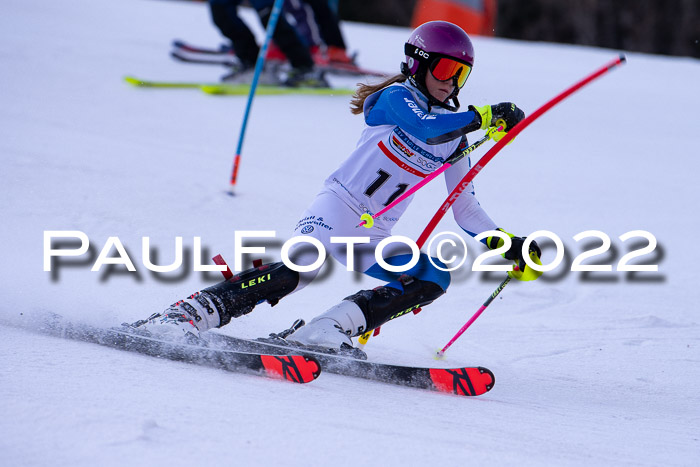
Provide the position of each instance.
(238, 295)
(386, 303)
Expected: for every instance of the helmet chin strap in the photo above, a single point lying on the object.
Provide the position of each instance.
(455, 106)
(432, 101)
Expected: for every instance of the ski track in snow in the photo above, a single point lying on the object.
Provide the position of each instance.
(588, 372)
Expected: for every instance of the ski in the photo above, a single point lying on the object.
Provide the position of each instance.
(222, 50)
(294, 368)
(161, 84)
(237, 89)
(225, 56)
(464, 381)
(265, 90)
(204, 59)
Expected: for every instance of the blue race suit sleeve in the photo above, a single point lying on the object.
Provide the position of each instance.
(395, 105)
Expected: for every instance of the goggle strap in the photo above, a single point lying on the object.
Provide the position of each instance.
(415, 52)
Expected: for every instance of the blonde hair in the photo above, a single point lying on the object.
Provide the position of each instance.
(364, 90)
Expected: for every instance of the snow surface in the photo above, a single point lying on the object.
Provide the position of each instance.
(590, 369)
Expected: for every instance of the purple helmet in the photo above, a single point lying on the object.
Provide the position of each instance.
(431, 42)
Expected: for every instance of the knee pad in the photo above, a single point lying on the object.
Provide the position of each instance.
(386, 303)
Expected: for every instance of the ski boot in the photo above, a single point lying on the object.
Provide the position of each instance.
(362, 312)
(339, 55)
(171, 325)
(382, 304)
(329, 333)
(306, 78)
(238, 295)
(243, 73)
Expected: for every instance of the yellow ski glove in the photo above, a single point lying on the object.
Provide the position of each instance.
(527, 274)
(505, 114)
(485, 113)
(496, 135)
(521, 270)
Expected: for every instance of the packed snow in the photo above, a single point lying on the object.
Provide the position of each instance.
(591, 368)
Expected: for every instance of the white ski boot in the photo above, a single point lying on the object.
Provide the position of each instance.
(333, 329)
(243, 74)
(184, 319)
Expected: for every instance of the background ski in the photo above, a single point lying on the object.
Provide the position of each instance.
(161, 84)
(298, 369)
(465, 381)
(222, 50)
(224, 56)
(266, 90)
(204, 59)
(237, 89)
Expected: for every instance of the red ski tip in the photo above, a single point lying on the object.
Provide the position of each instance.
(463, 381)
(294, 368)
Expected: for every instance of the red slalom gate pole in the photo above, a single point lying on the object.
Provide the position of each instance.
(462, 185)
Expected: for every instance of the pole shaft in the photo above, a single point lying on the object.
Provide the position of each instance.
(477, 314)
(259, 65)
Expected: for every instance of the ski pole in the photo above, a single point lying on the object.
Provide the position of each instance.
(368, 220)
(441, 352)
(259, 65)
(462, 185)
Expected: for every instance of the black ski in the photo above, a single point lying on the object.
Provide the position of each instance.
(222, 50)
(298, 369)
(221, 59)
(464, 381)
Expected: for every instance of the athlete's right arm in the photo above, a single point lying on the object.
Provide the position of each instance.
(395, 105)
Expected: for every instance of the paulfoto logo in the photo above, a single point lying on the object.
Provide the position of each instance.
(447, 251)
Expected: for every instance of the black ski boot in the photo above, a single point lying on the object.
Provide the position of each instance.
(384, 303)
(359, 313)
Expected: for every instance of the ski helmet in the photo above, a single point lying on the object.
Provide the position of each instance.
(443, 49)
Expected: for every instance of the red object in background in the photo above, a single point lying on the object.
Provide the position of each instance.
(474, 16)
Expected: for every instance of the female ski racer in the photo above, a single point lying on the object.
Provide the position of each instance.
(412, 127)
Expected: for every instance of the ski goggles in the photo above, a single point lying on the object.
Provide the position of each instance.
(444, 69)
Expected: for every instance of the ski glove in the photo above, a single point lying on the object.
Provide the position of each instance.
(505, 113)
(515, 253)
